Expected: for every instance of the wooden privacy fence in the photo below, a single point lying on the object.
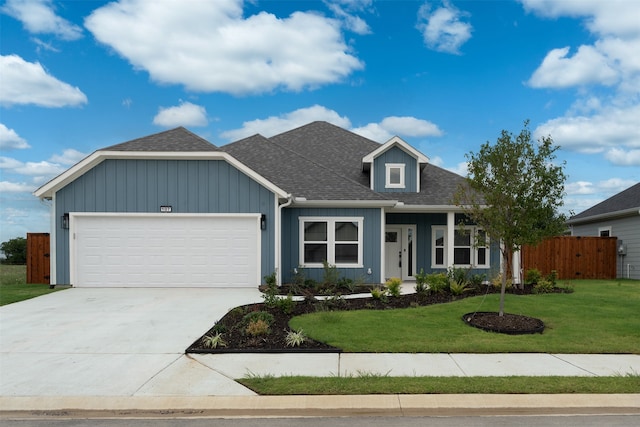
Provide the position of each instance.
(38, 259)
(573, 257)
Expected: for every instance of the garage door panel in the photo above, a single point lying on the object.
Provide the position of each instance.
(166, 251)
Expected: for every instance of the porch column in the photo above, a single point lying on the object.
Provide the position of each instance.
(451, 231)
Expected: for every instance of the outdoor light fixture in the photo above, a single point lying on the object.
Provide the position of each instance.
(64, 221)
(263, 222)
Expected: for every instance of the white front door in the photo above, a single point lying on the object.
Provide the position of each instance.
(393, 252)
(400, 251)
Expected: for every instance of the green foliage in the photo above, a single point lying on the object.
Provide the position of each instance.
(438, 283)
(13, 286)
(458, 275)
(457, 288)
(330, 274)
(271, 282)
(543, 287)
(286, 304)
(476, 280)
(295, 338)
(533, 275)
(394, 286)
(258, 315)
(421, 282)
(379, 293)
(552, 277)
(15, 251)
(347, 284)
(214, 340)
(514, 191)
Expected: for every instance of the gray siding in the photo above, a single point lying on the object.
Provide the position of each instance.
(371, 243)
(625, 229)
(189, 186)
(395, 155)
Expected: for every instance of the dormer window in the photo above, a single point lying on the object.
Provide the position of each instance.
(394, 175)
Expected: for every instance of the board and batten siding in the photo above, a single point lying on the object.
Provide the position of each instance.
(395, 155)
(371, 250)
(188, 186)
(626, 229)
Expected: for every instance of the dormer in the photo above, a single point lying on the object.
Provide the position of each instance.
(394, 167)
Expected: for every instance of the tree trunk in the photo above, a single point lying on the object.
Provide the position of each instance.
(507, 255)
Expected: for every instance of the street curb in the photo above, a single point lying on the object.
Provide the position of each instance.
(316, 406)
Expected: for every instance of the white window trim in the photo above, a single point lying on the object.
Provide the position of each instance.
(474, 249)
(601, 229)
(387, 180)
(331, 239)
(433, 246)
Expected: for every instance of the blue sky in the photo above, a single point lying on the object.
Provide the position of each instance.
(446, 76)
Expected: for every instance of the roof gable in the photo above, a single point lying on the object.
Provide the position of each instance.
(394, 142)
(178, 139)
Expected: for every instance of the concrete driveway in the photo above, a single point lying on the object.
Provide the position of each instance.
(113, 342)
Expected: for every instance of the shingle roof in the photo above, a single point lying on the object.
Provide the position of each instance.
(628, 199)
(178, 139)
(320, 161)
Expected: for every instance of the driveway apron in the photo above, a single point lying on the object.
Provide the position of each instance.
(114, 342)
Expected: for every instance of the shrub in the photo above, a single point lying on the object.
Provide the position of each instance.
(346, 284)
(421, 282)
(552, 277)
(258, 315)
(457, 288)
(458, 275)
(295, 338)
(379, 294)
(330, 273)
(213, 341)
(285, 304)
(543, 287)
(438, 283)
(476, 280)
(257, 328)
(394, 286)
(532, 276)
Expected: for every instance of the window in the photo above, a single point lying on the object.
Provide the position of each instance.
(439, 253)
(604, 231)
(471, 247)
(335, 240)
(394, 173)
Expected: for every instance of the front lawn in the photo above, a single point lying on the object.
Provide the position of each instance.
(599, 317)
(13, 286)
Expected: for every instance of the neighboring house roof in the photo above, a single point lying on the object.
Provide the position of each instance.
(321, 161)
(626, 202)
(178, 139)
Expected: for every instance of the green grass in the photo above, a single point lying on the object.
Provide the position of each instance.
(440, 385)
(599, 317)
(13, 286)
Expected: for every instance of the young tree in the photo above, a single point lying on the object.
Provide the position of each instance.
(513, 191)
(15, 250)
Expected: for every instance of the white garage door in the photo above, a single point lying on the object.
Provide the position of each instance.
(165, 250)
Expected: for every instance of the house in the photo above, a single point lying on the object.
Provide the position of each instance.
(171, 209)
(618, 216)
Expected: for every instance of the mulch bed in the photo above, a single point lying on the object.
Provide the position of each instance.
(237, 340)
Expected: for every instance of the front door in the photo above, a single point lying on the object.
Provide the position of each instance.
(393, 252)
(400, 251)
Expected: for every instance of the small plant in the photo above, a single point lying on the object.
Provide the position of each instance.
(347, 284)
(213, 341)
(438, 283)
(258, 315)
(257, 328)
(330, 273)
(295, 338)
(476, 280)
(271, 291)
(333, 302)
(458, 275)
(532, 276)
(271, 282)
(421, 282)
(457, 288)
(285, 304)
(394, 286)
(379, 293)
(543, 287)
(552, 277)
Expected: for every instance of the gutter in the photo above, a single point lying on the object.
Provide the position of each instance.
(302, 202)
(278, 237)
(596, 218)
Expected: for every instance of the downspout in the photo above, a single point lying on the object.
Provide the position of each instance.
(279, 239)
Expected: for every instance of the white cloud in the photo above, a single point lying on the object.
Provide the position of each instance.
(621, 157)
(608, 128)
(211, 47)
(185, 114)
(30, 168)
(68, 157)
(442, 28)
(16, 187)
(345, 11)
(10, 140)
(39, 17)
(587, 66)
(277, 124)
(582, 195)
(618, 17)
(28, 83)
(400, 126)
